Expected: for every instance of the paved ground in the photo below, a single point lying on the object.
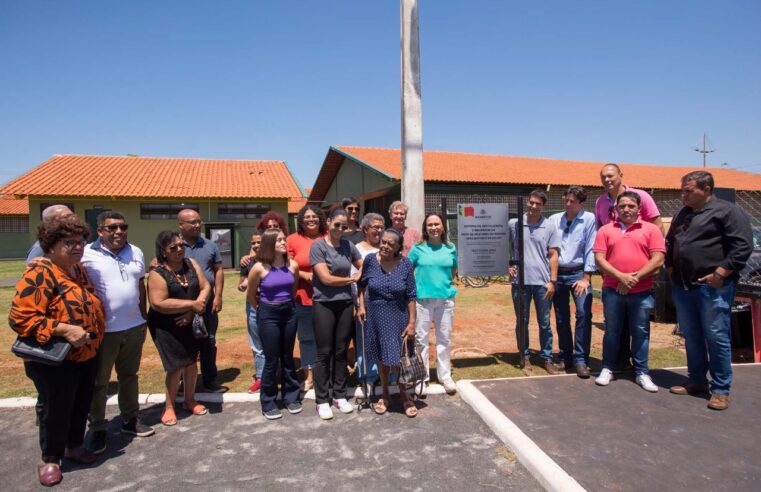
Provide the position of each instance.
(622, 438)
(446, 447)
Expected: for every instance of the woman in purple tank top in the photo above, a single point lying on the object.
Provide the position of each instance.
(271, 290)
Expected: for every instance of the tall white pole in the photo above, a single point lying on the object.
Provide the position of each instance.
(412, 116)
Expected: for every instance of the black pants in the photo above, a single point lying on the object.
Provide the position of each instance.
(208, 346)
(277, 330)
(333, 326)
(65, 394)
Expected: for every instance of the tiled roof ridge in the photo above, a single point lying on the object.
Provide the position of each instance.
(279, 161)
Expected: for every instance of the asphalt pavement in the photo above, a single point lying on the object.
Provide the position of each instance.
(446, 447)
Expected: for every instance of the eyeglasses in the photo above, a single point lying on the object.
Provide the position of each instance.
(340, 226)
(376, 227)
(70, 243)
(176, 247)
(273, 225)
(352, 209)
(114, 227)
(192, 222)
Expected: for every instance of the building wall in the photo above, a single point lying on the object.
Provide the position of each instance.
(143, 232)
(354, 179)
(14, 236)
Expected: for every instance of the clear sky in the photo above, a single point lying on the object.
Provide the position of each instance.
(599, 80)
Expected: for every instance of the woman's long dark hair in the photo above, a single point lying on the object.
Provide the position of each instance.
(267, 254)
(323, 228)
(444, 232)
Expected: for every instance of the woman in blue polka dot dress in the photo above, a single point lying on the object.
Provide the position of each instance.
(387, 303)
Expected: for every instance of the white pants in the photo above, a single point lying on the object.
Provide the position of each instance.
(441, 313)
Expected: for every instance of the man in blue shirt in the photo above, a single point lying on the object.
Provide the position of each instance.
(541, 242)
(206, 253)
(576, 264)
(51, 212)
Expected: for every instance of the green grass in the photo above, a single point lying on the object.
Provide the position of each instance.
(11, 270)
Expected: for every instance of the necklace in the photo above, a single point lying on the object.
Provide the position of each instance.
(182, 280)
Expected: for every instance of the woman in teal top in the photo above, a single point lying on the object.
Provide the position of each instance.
(435, 262)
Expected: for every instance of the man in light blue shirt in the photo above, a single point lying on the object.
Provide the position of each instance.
(576, 265)
(51, 212)
(541, 242)
(117, 269)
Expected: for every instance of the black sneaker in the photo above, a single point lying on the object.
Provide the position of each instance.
(213, 387)
(273, 414)
(294, 407)
(98, 443)
(136, 428)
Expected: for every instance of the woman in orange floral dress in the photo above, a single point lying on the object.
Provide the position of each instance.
(56, 298)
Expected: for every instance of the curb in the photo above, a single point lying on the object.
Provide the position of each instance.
(549, 474)
(154, 398)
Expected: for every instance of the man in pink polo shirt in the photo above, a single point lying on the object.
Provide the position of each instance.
(612, 177)
(628, 251)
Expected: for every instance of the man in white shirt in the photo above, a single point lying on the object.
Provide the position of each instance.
(117, 269)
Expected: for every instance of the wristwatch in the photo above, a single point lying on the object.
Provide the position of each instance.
(718, 276)
(553, 282)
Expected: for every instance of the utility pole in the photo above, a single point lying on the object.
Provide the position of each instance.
(707, 149)
(412, 115)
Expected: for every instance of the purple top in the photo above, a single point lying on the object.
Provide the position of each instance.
(277, 286)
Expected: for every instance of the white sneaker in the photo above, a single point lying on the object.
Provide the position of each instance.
(449, 386)
(604, 378)
(343, 405)
(647, 383)
(324, 411)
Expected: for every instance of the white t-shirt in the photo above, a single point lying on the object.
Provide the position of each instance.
(117, 279)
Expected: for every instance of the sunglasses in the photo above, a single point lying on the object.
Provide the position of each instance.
(114, 227)
(612, 211)
(342, 227)
(70, 243)
(567, 228)
(176, 247)
(352, 209)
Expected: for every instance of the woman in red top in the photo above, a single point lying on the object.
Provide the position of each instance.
(311, 226)
(56, 298)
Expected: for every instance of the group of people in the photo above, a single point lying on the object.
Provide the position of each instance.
(707, 244)
(336, 279)
(339, 278)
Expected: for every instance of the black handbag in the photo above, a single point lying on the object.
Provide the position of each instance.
(52, 353)
(411, 367)
(199, 327)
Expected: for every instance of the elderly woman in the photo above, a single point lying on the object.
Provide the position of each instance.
(387, 303)
(435, 262)
(372, 226)
(333, 314)
(311, 226)
(177, 289)
(398, 213)
(55, 298)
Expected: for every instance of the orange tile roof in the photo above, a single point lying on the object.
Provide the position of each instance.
(480, 168)
(155, 177)
(13, 206)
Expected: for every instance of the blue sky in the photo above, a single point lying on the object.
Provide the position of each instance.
(599, 80)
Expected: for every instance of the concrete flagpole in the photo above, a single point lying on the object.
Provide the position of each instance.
(412, 115)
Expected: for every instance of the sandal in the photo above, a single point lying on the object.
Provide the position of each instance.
(169, 418)
(380, 407)
(410, 410)
(196, 409)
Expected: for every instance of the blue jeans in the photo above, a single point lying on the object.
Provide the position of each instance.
(632, 310)
(704, 316)
(307, 345)
(543, 307)
(277, 328)
(254, 341)
(573, 349)
(208, 346)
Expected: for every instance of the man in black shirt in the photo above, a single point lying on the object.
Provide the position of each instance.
(707, 245)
